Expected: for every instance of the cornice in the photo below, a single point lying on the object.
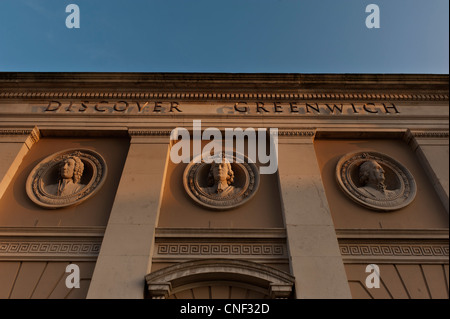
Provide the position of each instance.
(233, 96)
(224, 86)
(32, 133)
(394, 234)
(20, 131)
(68, 231)
(411, 136)
(430, 134)
(255, 78)
(300, 132)
(148, 132)
(220, 233)
(307, 132)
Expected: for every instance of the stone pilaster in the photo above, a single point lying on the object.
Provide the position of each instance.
(431, 147)
(14, 145)
(127, 248)
(315, 258)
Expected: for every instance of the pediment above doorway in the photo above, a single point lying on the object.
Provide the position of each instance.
(257, 279)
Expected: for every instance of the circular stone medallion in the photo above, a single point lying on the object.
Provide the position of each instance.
(220, 182)
(66, 178)
(375, 180)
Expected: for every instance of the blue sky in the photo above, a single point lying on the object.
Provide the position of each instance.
(231, 36)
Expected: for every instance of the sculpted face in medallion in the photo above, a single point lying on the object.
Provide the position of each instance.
(375, 180)
(71, 171)
(66, 178)
(220, 182)
(371, 175)
(221, 176)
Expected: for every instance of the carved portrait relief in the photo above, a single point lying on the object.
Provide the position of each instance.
(219, 182)
(70, 173)
(221, 179)
(66, 178)
(375, 181)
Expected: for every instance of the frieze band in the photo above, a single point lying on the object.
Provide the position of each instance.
(57, 249)
(159, 107)
(33, 134)
(221, 249)
(394, 251)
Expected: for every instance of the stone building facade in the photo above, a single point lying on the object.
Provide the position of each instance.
(88, 177)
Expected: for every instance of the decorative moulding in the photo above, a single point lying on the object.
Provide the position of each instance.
(225, 96)
(297, 133)
(243, 233)
(430, 134)
(52, 231)
(394, 251)
(276, 283)
(17, 131)
(32, 248)
(182, 244)
(33, 133)
(393, 234)
(217, 249)
(149, 132)
(423, 246)
(50, 243)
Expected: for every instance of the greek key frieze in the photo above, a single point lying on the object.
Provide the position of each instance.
(394, 250)
(221, 249)
(30, 248)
